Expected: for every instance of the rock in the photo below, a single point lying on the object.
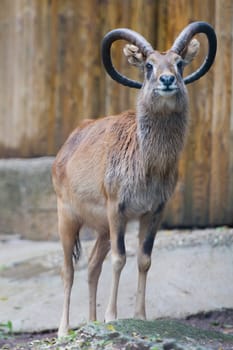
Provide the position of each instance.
(122, 335)
(27, 198)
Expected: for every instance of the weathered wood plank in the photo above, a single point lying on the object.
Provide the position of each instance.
(190, 204)
(53, 78)
(129, 14)
(221, 209)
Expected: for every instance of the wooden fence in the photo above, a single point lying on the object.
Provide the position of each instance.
(52, 77)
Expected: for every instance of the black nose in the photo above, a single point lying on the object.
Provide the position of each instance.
(167, 79)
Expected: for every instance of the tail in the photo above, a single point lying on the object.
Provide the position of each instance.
(77, 249)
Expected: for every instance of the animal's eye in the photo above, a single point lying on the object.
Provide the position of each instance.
(149, 66)
(179, 65)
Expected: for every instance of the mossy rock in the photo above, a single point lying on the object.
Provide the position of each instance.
(131, 334)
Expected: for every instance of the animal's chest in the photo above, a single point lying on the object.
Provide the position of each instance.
(140, 198)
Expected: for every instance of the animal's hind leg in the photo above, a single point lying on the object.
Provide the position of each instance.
(117, 225)
(99, 252)
(68, 227)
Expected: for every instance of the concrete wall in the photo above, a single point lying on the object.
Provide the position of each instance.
(27, 199)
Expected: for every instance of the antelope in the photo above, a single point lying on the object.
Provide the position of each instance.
(125, 166)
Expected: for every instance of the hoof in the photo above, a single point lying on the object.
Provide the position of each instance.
(62, 333)
(109, 317)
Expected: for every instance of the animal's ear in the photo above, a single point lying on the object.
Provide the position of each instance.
(135, 57)
(191, 51)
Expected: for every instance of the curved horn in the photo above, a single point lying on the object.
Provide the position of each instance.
(184, 38)
(135, 39)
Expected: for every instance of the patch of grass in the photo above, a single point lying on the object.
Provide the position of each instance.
(6, 329)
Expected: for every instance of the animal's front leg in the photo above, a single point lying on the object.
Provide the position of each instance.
(148, 227)
(117, 232)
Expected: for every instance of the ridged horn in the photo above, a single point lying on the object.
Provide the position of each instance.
(130, 36)
(185, 37)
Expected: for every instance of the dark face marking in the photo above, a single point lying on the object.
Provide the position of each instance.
(149, 70)
(180, 67)
(165, 63)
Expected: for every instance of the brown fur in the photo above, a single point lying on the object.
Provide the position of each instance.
(118, 168)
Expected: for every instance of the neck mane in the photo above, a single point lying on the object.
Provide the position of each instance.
(161, 137)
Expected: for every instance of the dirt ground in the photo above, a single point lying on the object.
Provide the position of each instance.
(191, 271)
(219, 321)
